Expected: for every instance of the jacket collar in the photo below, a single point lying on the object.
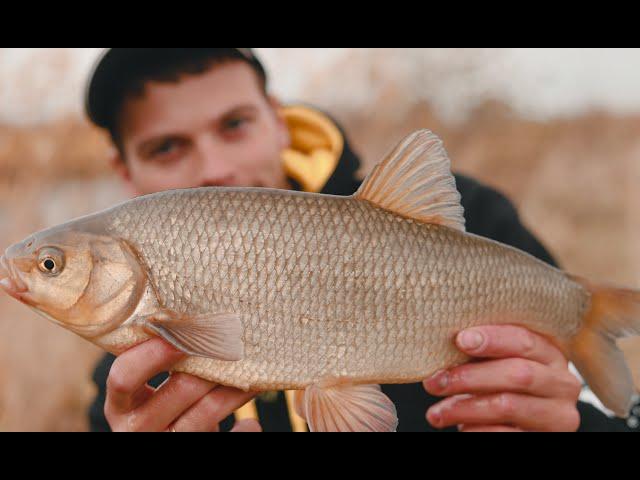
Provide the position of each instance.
(319, 159)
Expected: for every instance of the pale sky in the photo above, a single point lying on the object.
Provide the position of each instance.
(38, 85)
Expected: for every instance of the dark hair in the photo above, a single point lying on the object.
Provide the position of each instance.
(171, 67)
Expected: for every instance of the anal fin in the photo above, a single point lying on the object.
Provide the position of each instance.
(360, 408)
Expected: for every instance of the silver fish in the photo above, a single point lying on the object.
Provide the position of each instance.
(330, 296)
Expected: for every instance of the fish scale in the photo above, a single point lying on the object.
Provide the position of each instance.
(352, 291)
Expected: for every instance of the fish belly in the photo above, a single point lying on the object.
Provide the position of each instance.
(335, 290)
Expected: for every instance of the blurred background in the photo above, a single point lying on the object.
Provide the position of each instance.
(556, 130)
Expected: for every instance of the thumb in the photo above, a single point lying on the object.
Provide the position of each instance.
(247, 426)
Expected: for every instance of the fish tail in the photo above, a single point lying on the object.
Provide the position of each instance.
(614, 314)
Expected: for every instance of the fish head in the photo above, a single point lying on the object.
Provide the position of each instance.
(84, 281)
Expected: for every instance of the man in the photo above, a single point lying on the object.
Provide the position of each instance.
(203, 117)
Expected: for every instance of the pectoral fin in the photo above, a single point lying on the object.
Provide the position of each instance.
(361, 408)
(215, 336)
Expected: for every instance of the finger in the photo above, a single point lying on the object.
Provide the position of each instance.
(521, 411)
(489, 429)
(132, 370)
(210, 410)
(248, 425)
(173, 398)
(516, 375)
(509, 341)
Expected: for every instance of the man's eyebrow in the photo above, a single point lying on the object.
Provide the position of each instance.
(237, 110)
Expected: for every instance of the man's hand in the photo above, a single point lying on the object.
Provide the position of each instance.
(182, 404)
(522, 384)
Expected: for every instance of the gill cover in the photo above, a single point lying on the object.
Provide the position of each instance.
(99, 287)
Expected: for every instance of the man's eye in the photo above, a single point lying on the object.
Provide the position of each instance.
(234, 123)
(164, 148)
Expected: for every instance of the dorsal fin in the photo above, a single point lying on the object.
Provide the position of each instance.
(415, 181)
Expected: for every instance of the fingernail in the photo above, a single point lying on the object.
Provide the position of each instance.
(470, 339)
(435, 416)
(439, 381)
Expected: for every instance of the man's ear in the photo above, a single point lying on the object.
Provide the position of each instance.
(121, 168)
(283, 129)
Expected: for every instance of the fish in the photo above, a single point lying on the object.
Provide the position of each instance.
(329, 296)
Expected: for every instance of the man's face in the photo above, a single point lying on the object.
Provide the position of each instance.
(213, 129)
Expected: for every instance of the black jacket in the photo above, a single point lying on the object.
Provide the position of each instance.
(487, 213)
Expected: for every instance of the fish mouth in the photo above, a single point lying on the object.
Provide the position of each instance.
(10, 281)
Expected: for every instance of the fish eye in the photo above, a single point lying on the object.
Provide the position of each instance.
(51, 261)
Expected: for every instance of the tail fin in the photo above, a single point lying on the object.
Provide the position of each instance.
(614, 314)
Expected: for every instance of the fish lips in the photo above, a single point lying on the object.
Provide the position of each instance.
(10, 281)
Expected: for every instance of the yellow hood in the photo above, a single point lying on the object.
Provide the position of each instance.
(316, 147)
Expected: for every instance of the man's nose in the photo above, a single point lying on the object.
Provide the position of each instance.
(216, 168)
